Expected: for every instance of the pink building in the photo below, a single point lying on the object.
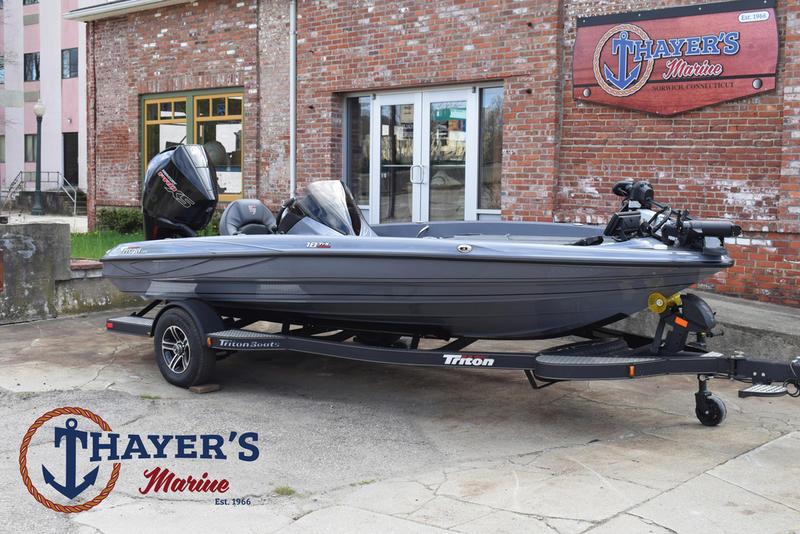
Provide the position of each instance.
(43, 59)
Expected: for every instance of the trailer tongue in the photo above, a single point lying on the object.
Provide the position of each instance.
(191, 329)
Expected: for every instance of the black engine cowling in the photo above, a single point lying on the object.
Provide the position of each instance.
(180, 193)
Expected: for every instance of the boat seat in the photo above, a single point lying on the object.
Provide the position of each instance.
(246, 216)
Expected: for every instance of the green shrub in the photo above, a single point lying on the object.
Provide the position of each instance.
(213, 226)
(121, 220)
(131, 221)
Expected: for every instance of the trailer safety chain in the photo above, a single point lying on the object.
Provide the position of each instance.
(23, 467)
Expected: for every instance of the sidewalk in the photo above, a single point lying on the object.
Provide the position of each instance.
(358, 447)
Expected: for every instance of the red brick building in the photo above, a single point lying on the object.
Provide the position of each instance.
(380, 85)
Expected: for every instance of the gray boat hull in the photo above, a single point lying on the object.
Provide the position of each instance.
(481, 280)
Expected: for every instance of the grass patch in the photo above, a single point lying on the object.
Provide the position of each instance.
(284, 491)
(94, 245)
(149, 397)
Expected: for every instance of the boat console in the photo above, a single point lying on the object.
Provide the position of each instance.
(642, 216)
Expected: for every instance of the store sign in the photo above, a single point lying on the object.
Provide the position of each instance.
(667, 61)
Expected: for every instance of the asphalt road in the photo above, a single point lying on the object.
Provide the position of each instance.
(351, 447)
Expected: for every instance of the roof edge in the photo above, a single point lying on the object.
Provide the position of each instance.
(117, 8)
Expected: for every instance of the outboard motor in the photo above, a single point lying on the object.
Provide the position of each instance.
(180, 193)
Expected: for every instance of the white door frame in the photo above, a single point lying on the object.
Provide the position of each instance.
(375, 152)
(470, 98)
(420, 167)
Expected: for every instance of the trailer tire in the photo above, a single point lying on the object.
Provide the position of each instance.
(181, 354)
(711, 411)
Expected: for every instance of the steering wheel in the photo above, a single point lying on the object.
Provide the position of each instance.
(286, 205)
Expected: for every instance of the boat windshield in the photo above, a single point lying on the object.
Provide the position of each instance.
(330, 203)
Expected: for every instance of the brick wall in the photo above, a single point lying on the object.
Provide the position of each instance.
(725, 160)
(738, 159)
(365, 45)
(561, 157)
(207, 44)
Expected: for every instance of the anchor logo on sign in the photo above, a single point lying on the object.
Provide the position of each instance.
(622, 46)
(70, 437)
(628, 78)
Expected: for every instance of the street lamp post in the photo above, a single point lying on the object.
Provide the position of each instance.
(38, 110)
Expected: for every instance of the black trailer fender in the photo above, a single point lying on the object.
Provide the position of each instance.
(204, 316)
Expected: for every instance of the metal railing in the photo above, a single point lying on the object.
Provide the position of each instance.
(50, 181)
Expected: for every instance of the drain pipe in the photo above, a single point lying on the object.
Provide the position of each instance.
(292, 97)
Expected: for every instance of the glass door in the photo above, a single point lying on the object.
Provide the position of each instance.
(424, 150)
(449, 155)
(396, 170)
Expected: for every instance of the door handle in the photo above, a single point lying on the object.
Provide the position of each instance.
(421, 178)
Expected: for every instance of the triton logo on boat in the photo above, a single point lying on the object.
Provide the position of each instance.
(77, 459)
(172, 187)
(131, 249)
(248, 344)
(318, 244)
(475, 361)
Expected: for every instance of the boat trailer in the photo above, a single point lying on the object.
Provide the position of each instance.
(188, 329)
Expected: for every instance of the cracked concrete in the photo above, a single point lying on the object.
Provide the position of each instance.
(371, 448)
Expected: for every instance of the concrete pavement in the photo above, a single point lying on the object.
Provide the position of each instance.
(351, 447)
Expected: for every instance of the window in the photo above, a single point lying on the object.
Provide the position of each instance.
(218, 127)
(69, 63)
(2, 66)
(2, 148)
(491, 147)
(164, 125)
(30, 148)
(32, 67)
(29, 2)
(216, 123)
(357, 146)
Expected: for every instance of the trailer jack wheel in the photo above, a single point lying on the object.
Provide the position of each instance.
(709, 409)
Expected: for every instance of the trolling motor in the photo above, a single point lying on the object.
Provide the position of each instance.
(672, 227)
(180, 193)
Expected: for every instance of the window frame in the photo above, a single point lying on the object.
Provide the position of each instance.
(149, 122)
(488, 213)
(191, 129)
(346, 141)
(480, 145)
(223, 197)
(25, 57)
(71, 73)
(34, 140)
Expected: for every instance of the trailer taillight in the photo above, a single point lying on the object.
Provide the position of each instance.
(109, 325)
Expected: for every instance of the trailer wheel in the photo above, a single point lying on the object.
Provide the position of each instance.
(710, 411)
(182, 357)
